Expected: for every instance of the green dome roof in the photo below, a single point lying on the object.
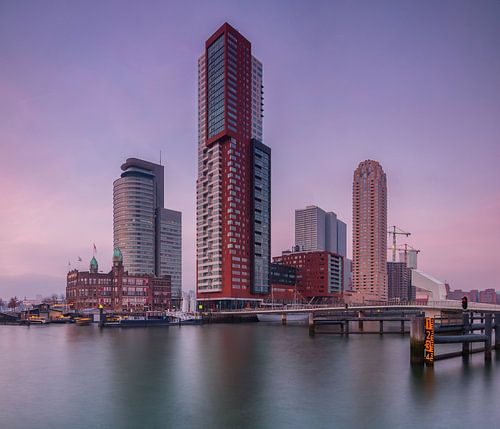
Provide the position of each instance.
(93, 262)
(117, 255)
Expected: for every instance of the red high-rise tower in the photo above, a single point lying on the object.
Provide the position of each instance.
(233, 186)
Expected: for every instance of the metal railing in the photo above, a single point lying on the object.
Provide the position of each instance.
(437, 305)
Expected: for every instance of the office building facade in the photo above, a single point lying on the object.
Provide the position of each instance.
(399, 287)
(319, 274)
(170, 250)
(316, 229)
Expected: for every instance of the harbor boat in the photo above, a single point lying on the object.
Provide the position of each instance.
(276, 317)
(131, 321)
(62, 319)
(36, 320)
(137, 320)
(83, 321)
(152, 318)
(112, 321)
(182, 318)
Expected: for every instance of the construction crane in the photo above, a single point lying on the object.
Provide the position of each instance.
(396, 231)
(405, 250)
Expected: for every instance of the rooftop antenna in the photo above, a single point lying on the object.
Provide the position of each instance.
(160, 156)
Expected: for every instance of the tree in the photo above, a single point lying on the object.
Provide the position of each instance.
(2, 304)
(13, 302)
(52, 299)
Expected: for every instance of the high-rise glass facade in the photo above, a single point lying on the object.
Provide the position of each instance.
(215, 86)
(316, 229)
(261, 217)
(170, 249)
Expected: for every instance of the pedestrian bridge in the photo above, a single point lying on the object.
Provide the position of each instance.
(429, 307)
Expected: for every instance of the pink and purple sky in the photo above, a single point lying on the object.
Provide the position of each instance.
(86, 84)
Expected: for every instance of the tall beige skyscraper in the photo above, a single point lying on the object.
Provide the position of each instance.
(369, 235)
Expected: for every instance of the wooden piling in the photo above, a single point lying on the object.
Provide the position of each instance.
(312, 331)
(283, 318)
(417, 339)
(346, 324)
(487, 330)
(497, 331)
(466, 330)
(101, 316)
(360, 322)
(402, 323)
(381, 327)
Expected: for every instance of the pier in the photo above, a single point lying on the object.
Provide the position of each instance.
(430, 325)
(358, 322)
(426, 333)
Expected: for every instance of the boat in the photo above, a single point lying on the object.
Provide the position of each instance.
(62, 319)
(152, 318)
(112, 321)
(137, 320)
(144, 321)
(36, 320)
(83, 321)
(182, 318)
(276, 317)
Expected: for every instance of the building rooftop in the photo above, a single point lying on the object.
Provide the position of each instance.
(117, 255)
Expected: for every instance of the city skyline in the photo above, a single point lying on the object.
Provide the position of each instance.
(425, 108)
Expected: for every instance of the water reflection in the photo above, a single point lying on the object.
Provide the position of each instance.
(241, 376)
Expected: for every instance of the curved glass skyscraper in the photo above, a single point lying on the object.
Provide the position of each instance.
(148, 235)
(136, 195)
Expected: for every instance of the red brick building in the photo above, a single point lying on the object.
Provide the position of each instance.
(319, 273)
(117, 290)
(487, 296)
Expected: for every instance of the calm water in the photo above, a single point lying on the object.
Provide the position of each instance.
(232, 376)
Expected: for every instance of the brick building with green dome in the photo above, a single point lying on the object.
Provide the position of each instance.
(117, 290)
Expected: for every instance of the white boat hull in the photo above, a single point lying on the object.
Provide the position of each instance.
(276, 317)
